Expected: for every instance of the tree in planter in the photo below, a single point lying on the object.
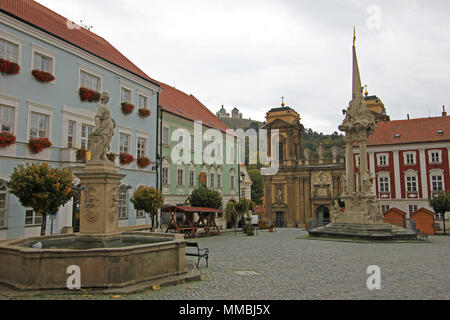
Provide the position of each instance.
(205, 198)
(230, 212)
(149, 200)
(42, 188)
(440, 204)
(257, 186)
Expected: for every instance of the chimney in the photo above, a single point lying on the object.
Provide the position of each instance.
(444, 113)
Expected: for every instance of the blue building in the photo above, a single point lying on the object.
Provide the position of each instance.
(36, 38)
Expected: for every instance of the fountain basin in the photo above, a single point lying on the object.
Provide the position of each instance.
(126, 259)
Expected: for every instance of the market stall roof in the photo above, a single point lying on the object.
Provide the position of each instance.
(192, 209)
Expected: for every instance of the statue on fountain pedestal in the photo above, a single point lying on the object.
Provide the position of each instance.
(100, 138)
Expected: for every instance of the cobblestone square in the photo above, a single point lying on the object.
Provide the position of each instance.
(284, 265)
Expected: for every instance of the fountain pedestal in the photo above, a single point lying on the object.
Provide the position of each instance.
(99, 202)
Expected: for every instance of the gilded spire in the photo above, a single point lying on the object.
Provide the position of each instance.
(354, 36)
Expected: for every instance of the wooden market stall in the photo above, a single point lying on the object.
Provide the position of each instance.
(206, 220)
(424, 220)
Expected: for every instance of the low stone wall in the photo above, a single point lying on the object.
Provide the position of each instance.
(33, 269)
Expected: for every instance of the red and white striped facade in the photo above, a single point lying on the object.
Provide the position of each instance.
(410, 161)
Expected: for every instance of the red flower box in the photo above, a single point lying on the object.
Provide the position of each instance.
(43, 76)
(125, 158)
(111, 156)
(143, 162)
(6, 139)
(37, 145)
(127, 108)
(81, 154)
(9, 67)
(89, 95)
(144, 112)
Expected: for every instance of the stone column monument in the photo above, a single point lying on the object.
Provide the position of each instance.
(362, 217)
(100, 181)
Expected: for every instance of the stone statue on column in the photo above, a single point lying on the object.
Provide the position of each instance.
(100, 139)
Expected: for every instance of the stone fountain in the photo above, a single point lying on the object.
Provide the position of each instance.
(107, 258)
(362, 217)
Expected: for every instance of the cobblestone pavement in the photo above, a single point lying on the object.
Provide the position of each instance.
(286, 266)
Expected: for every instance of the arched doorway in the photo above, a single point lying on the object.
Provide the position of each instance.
(323, 215)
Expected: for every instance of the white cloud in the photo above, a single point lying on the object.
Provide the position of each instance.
(250, 53)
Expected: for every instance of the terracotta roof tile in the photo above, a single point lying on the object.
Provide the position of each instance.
(55, 24)
(411, 131)
(187, 106)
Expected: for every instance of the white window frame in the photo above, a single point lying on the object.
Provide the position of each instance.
(41, 109)
(122, 188)
(384, 156)
(82, 118)
(385, 208)
(384, 176)
(182, 177)
(412, 174)
(139, 94)
(163, 141)
(13, 103)
(232, 180)
(437, 173)
(10, 38)
(357, 160)
(73, 135)
(191, 178)
(212, 180)
(414, 157)
(412, 208)
(124, 86)
(46, 53)
(141, 135)
(92, 72)
(128, 132)
(430, 156)
(13, 123)
(165, 176)
(34, 217)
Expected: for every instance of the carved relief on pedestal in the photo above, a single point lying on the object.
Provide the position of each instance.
(322, 182)
(91, 204)
(336, 213)
(114, 208)
(374, 212)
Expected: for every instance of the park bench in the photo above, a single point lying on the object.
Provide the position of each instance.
(201, 253)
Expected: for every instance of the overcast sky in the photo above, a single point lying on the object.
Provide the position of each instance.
(249, 53)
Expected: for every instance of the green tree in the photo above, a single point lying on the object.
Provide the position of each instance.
(244, 206)
(149, 200)
(257, 187)
(206, 198)
(230, 211)
(440, 204)
(42, 188)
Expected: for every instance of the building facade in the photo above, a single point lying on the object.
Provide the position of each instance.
(410, 162)
(36, 38)
(180, 178)
(303, 189)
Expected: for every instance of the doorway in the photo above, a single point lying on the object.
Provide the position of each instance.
(280, 219)
(323, 216)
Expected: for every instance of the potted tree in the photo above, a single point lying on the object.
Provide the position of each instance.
(441, 204)
(149, 200)
(42, 188)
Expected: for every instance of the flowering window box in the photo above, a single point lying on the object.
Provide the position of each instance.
(8, 67)
(127, 108)
(42, 76)
(144, 113)
(143, 162)
(89, 95)
(111, 156)
(6, 139)
(125, 158)
(37, 145)
(81, 155)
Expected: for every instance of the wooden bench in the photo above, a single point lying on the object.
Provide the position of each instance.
(201, 253)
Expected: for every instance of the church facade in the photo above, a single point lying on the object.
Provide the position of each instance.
(303, 189)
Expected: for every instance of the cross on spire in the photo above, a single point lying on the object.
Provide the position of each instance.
(282, 102)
